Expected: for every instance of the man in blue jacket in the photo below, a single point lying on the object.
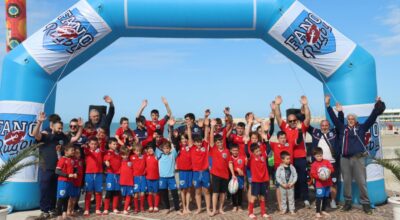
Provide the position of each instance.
(327, 138)
(352, 162)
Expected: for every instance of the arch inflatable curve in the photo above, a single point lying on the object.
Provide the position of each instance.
(32, 69)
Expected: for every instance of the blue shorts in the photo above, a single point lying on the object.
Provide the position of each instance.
(323, 192)
(167, 183)
(63, 189)
(140, 184)
(112, 182)
(94, 182)
(259, 189)
(209, 163)
(126, 190)
(201, 179)
(240, 180)
(185, 179)
(248, 174)
(152, 186)
(75, 192)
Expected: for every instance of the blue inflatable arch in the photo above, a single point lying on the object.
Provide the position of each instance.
(31, 71)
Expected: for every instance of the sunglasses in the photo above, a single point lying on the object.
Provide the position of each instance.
(292, 121)
(73, 126)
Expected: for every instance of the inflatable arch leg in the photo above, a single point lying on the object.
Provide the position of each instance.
(31, 70)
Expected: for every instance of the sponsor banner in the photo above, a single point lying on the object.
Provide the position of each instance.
(372, 141)
(15, 23)
(67, 36)
(312, 39)
(17, 121)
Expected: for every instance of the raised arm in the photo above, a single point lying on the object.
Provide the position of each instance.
(111, 110)
(300, 133)
(379, 108)
(79, 133)
(213, 123)
(169, 112)
(39, 121)
(277, 111)
(307, 113)
(141, 109)
(338, 124)
(272, 120)
(189, 133)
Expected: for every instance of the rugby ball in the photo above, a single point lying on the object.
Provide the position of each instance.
(233, 186)
(324, 173)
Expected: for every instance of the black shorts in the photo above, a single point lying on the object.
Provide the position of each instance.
(219, 185)
(336, 174)
(258, 189)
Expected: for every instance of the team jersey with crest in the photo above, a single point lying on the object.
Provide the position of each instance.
(299, 151)
(258, 168)
(66, 165)
(126, 173)
(139, 164)
(94, 160)
(152, 126)
(199, 157)
(115, 161)
(239, 162)
(238, 140)
(278, 148)
(184, 160)
(152, 172)
(78, 169)
(221, 159)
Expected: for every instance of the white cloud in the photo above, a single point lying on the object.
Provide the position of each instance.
(390, 44)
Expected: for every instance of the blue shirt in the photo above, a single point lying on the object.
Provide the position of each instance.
(141, 134)
(166, 162)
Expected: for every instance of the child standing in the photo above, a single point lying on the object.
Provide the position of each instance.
(65, 172)
(152, 179)
(322, 186)
(112, 160)
(260, 178)
(77, 182)
(93, 174)
(126, 178)
(286, 177)
(239, 166)
(140, 186)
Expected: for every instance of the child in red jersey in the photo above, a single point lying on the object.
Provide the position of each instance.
(77, 182)
(102, 138)
(239, 166)
(65, 172)
(222, 165)
(260, 178)
(93, 174)
(126, 178)
(112, 160)
(124, 127)
(152, 179)
(322, 186)
(140, 186)
(201, 174)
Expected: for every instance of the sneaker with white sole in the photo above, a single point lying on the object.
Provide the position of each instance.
(333, 204)
(307, 204)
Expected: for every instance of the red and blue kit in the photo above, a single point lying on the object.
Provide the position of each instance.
(239, 162)
(93, 170)
(238, 140)
(184, 165)
(112, 178)
(77, 183)
(278, 148)
(64, 185)
(152, 126)
(139, 171)
(152, 173)
(201, 175)
(221, 159)
(299, 151)
(126, 177)
(258, 168)
(322, 187)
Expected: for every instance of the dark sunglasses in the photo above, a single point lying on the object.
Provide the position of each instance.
(73, 126)
(292, 121)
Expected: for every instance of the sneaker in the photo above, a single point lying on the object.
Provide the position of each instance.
(307, 204)
(367, 209)
(43, 216)
(347, 207)
(333, 204)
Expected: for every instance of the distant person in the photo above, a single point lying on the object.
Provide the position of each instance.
(352, 161)
(328, 140)
(299, 150)
(141, 131)
(103, 121)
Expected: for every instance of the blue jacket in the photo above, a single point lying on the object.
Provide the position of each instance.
(352, 138)
(332, 136)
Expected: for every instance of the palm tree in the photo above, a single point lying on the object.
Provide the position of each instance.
(391, 164)
(15, 164)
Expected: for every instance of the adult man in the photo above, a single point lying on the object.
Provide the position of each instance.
(52, 142)
(327, 139)
(74, 131)
(299, 150)
(190, 121)
(352, 162)
(103, 121)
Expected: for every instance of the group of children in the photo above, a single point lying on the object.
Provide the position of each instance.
(137, 167)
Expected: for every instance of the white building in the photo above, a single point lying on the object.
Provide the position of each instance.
(390, 115)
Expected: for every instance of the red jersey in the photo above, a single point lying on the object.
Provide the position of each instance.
(115, 161)
(258, 168)
(299, 151)
(221, 160)
(314, 173)
(94, 160)
(263, 147)
(199, 157)
(238, 140)
(126, 173)
(78, 169)
(152, 172)
(66, 165)
(89, 134)
(120, 133)
(184, 160)
(152, 126)
(278, 148)
(139, 164)
(102, 144)
(239, 162)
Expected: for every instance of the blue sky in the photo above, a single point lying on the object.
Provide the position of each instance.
(197, 74)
